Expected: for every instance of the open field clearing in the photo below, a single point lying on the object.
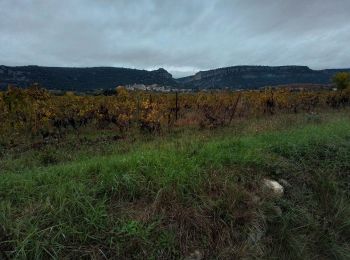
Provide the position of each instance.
(194, 194)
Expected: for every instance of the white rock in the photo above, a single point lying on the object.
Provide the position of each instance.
(274, 187)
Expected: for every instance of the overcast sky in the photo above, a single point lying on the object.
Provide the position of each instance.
(182, 36)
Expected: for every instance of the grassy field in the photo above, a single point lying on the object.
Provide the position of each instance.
(187, 194)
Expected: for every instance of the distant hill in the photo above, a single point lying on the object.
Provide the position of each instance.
(237, 77)
(247, 77)
(81, 79)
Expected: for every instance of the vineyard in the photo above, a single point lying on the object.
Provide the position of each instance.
(34, 113)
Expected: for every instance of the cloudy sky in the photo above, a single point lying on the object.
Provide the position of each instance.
(182, 36)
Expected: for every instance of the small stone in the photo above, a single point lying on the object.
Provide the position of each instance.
(196, 255)
(273, 187)
(284, 183)
(277, 210)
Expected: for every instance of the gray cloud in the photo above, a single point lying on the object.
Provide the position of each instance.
(183, 36)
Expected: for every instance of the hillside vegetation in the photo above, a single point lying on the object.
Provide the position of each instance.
(250, 77)
(81, 79)
(187, 194)
(236, 77)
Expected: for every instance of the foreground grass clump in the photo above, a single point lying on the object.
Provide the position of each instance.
(195, 193)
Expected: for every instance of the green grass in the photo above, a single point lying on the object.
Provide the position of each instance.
(166, 197)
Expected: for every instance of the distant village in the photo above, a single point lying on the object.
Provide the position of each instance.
(156, 88)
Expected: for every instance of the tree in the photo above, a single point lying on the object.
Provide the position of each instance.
(342, 80)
